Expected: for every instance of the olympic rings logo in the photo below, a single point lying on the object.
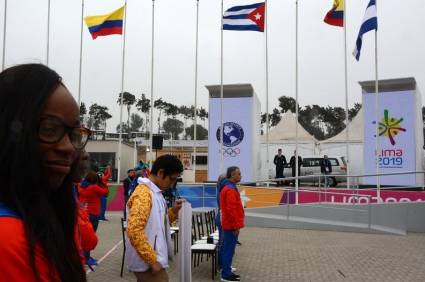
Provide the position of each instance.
(231, 152)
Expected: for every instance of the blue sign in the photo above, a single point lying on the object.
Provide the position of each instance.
(232, 134)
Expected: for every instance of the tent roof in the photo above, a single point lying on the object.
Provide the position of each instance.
(355, 133)
(285, 131)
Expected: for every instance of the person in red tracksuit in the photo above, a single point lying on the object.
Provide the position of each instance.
(232, 220)
(89, 193)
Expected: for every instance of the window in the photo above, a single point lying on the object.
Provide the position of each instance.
(334, 162)
(200, 160)
(101, 160)
(310, 162)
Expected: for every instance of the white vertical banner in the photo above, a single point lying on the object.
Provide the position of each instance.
(237, 132)
(184, 262)
(397, 142)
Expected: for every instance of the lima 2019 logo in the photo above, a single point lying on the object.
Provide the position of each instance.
(232, 134)
(390, 127)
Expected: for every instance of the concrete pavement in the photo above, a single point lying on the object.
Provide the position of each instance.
(290, 255)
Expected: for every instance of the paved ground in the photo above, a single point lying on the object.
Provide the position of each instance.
(292, 255)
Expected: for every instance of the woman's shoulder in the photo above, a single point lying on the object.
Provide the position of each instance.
(12, 231)
(13, 242)
(14, 253)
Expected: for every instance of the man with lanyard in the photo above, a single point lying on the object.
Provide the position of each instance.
(131, 174)
(280, 162)
(149, 240)
(294, 167)
(232, 220)
(326, 169)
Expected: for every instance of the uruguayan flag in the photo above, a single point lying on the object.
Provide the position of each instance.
(370, 22)
(248, 17)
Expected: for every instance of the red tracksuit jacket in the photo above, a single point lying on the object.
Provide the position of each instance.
(232, 213)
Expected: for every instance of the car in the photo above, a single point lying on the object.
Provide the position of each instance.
(311, 166)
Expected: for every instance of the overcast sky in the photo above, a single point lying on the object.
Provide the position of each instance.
(401, 47)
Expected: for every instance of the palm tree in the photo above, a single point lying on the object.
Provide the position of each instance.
(144, 105)
(128, 100)
(160, 105)
(203, 115)
(185, 112)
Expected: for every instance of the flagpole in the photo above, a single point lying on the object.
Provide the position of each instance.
(48, 33)
(267, 88)
(81, 54)
(122, 90)
(3, 62)
(221, 94)
(296, 102)
(152, 76)
(195, 114)
(378, 180)
(347, 125)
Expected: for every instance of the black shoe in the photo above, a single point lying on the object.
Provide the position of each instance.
(237, 276)
(238, 243)
(231, 278)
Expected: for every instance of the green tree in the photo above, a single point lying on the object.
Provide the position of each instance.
(274, 118)
(184, 111)
(203, 115)
(144, 105)
(160, 105)
(171, 110)
(287, 104)
(83, 111)
(136, 122)
(125, 129)
(354, 110)
(201, 132)
(174, 127)
(97, 116)
(128, 100)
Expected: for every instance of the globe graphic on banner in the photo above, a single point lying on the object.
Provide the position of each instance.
(232, 134)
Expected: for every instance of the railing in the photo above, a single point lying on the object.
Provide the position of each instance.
(195, 199)
(205, 198)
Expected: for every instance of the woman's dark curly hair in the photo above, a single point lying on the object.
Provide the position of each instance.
(49, 216)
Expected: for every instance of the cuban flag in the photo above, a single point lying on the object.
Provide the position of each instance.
(370, 22)
(248, 17)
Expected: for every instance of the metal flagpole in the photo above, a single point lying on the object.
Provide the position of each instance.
(3, 62)
(152, 76)
(347, 125)
(122, 90)
(221, 94)
(81, 53)
(378, 180)
(296, 102)
(267, 89)
(195, 114)
(48, 33)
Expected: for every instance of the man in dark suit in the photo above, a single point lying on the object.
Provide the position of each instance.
(280, 162)
(292, 163)
(325, 169)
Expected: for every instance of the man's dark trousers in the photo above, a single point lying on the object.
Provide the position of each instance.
(227, 253)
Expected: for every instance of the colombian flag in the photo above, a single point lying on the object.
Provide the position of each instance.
(336, 15)
(106, 24)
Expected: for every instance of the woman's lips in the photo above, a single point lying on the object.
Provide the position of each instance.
(61, 167)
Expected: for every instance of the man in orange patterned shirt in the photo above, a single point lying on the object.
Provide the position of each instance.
(148, 230)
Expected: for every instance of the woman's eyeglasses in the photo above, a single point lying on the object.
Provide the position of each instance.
(51, 130)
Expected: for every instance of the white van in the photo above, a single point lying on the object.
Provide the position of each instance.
(311, 166)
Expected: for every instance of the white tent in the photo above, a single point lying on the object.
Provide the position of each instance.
(284, 131)
(337, 145)
(283, 136)
(355, 131)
